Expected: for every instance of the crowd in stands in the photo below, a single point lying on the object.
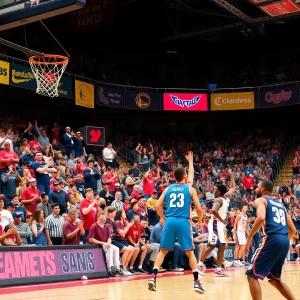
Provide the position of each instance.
(55, 193)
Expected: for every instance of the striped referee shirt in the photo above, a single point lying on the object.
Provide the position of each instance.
(54, 224)
(117, 204)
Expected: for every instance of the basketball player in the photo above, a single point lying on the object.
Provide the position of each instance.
(217, 226)
(270, 256)
(177, 199)
(240, 226)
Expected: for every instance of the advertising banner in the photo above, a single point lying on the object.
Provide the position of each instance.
(27, 265)
(232, 101)
(279, 97)
(185, 102)
(84, 94)
(21, 76)
(142, 100)
(108, 96)
(4, 72)
(65, 87)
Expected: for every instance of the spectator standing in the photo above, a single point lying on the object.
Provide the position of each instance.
(109, 154)
(59, 196)
(9, 182)
(54, 226)
(91, 175)
(41, 171)
(31, 196)
(68, 141)
(45, 206)
(79, 145)
(89, 208)
(72, 229)
(23, 228)
(38, 228)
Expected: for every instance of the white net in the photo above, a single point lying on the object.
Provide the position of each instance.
(48, 71)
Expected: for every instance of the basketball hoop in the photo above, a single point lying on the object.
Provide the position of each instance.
(48, 70)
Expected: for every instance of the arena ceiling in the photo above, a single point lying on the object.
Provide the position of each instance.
(214, 19)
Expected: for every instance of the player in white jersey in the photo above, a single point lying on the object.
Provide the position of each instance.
(217, 226)
(239, 231)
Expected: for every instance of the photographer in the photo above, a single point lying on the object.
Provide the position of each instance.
(91, 175)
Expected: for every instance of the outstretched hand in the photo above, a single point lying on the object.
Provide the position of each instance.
(189, 157)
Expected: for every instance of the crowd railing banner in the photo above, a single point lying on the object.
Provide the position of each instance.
(4, 72)
(232, 101)
(17, 73)
(275, 97)
(29, 265)
(107, 96)
(84, 94)
(143, 100)
(185, 101)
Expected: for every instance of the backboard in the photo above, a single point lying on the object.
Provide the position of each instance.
(14, 13)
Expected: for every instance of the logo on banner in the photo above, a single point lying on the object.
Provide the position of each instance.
(4, 72)
(186, 103)
(282, 96)
(142, 100)
(84, 94)
(18, 77)
(232, 101)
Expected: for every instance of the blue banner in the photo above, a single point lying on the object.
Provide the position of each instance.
(143, 100)
(288, 95)
(22, 76)
(65, 88)
(108, 96)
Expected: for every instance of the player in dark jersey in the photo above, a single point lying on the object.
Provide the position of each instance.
(269, 258)
(177, 199)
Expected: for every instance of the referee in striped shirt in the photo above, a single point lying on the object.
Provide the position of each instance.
(54, 226)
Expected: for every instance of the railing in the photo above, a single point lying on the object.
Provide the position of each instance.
(126, 155)
(90, 80)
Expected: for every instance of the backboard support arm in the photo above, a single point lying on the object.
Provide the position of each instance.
(20, 48)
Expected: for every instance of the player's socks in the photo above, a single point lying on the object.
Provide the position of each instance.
(219, 269)
(195, 274)
(155, 271)
(200, 263)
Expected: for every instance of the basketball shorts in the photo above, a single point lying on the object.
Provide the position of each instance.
(179, 228)
(269, 258)
(216, 233)
(241, 238)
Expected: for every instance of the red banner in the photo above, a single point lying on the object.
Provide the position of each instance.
(185, 102)
(94, 13)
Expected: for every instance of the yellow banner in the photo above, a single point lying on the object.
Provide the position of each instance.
(232, 101)
(4, 72)
(84, 94)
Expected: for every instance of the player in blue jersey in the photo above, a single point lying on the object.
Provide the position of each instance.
(177, 199)
(269, 258)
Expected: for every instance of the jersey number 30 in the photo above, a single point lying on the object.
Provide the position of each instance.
(176, 200)
(279, 216)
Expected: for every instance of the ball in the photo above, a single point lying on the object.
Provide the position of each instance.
(84, 278)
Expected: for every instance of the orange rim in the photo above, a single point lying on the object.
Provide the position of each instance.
(36, 60)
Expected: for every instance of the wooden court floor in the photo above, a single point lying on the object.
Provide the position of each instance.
(170, 286)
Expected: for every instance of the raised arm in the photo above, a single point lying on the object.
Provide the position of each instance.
(232, 189)
(137, 149)
(190, 159)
